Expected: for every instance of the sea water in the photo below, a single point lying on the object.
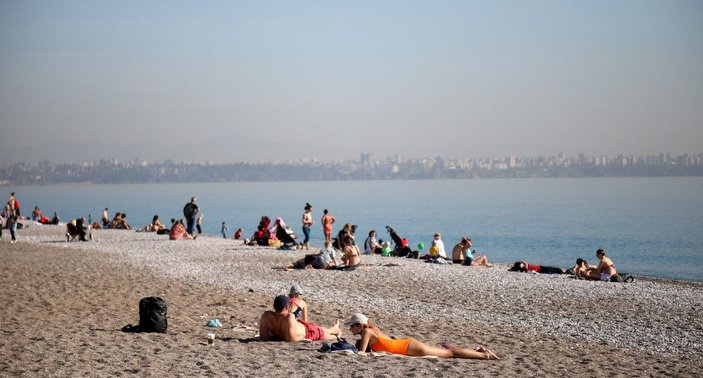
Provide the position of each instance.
(648, 226)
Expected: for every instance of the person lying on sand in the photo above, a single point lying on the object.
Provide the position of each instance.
(521, 266)
(372, 336)
(325, 259)
(280, 325)
(583, 269)
(298, 306)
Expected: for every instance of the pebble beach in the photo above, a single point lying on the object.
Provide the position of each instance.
(64, 304)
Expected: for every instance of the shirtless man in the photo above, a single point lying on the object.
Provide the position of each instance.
(281, 325)
(327, 221)
(459, 250)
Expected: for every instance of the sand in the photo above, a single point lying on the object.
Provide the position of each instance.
(63, 305)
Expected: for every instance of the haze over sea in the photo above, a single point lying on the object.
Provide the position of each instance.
(648, 226)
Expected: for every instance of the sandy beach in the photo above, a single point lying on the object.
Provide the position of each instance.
(64, 304)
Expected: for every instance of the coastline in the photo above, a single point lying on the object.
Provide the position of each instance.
(68, 301)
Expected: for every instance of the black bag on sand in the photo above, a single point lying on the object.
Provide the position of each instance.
(152, 316)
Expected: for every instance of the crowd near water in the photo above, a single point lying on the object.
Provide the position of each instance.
(648, 226)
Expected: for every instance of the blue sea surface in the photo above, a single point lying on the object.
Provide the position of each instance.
(648, 226)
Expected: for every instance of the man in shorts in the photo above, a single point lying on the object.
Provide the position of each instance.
(281, 324)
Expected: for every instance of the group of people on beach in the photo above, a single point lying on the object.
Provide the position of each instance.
(289, 322)
(604, 271)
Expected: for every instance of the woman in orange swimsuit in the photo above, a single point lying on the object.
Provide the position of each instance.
(372, 337)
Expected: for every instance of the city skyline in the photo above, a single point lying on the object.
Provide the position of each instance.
(230, 81)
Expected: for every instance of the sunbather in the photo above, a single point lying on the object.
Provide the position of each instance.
(325, 259)
(281, 325)
(521, 266)
(606, 268)
(379, 342)
(297, 305)
(583, 269)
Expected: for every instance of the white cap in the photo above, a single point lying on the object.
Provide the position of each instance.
(358, 318)
(296, 289)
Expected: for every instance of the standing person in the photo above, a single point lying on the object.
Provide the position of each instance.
(199, 224)
(2, 224)
(224, 230)
(106, 218)
(189, 211)
(307, 224)
(327, 221)
(12, 225)
(12, 205)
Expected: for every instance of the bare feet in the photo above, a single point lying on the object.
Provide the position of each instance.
(335, 330)
(488, 354)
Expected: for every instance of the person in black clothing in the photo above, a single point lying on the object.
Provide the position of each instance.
(190, 210)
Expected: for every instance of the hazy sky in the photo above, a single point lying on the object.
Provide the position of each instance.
(274, 80)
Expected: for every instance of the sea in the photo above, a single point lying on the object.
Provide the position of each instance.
(648, 226)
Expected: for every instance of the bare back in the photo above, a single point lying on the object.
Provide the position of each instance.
(275, 326)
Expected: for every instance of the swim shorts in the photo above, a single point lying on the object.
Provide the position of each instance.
(605, 277)
(313, 331)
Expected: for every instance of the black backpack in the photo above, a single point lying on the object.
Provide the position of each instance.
(152, 316)
(189, 209)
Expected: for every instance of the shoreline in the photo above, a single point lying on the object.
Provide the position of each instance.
(537, 324)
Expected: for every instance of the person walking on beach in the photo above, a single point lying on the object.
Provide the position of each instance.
(189, 211)
(307, 224)
(12, 225)
(224, 230)
(327, 221)
(372, 336)
(199, 224)
(281, 324)
(106, 218)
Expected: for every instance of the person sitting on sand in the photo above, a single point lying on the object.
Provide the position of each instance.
(298, 307)
(119, 222)
(462, 254)
(350, 254)
(178, 231)
(155, 225)
(606, 268)
(372, 336)
(76, 228)
(583, 269)
(470, 258)
(521, 266)
(325, 259)
(281, 325)
(371, 246)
